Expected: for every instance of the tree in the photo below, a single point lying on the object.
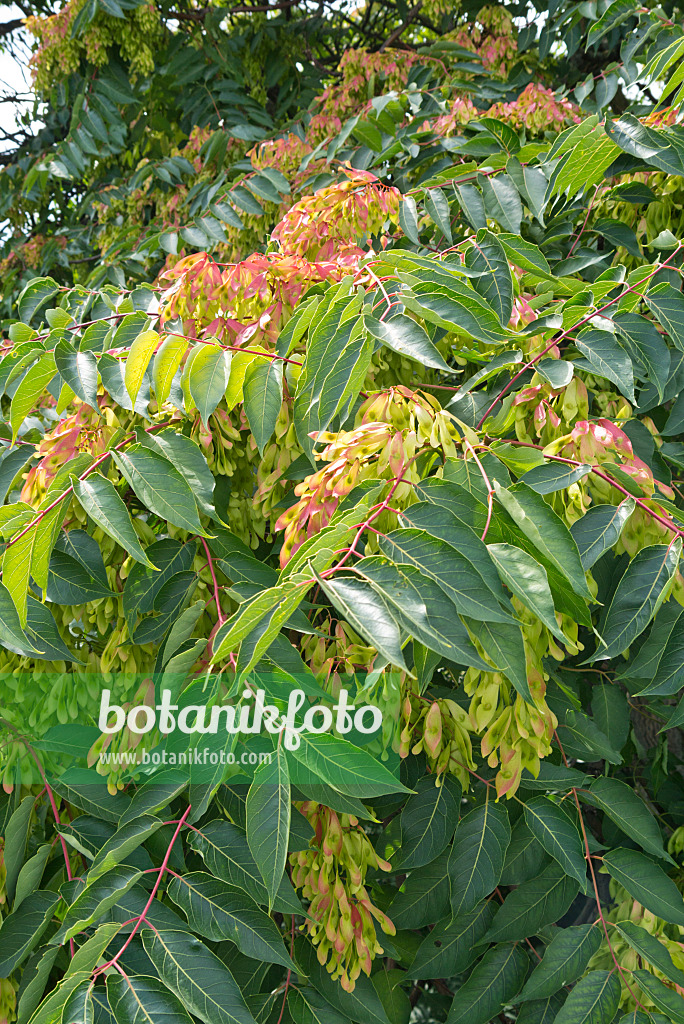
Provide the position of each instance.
(343, 355)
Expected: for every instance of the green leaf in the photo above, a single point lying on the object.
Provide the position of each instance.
(51, 1009)
(112, 375)
(496, 285)
(455, 307)
(21, 931)
(494, 981)
(36, 293)
(422, 608)
(264, 189)
(647, 348)
(363, 1004)
(661, 658)
(506, 136)
(424, 896)
(12, 462)
(639, 594)
(613, 16)
(531, 184)
(78, 370)
(502, 201)
(650, 948)
(565, 960)
(268, 819)
(124, 841)
(275, 604)
(160, 487)
(95, 900)
(593, 1000)
(16, 837)
(533, 905)
(144, 585)
(599, 529)
(29, 391)
(540, 1011)
(197, 977)
(403, 335)
(100, 499)
(138, 360)
(546, 531)
(582, 738)
(629, 812)
(611, 712)
(524, 856)
(471, 202)
(348, 769)
(587, 153)
(217, 911)
(527, 579)
(277, 179)
(78, 1008)
(491, 369)
(188, 459)
(647, 883)
(69, 583)
(452, 570)
(395, 1000)
(441, 523)
(29, 556)
(263, 397)
(503, 643)
(667, 305)
(31, 874)
(607, 358)
(558, 834)
(554, 476)
(477, 855)
(553, 776)
(297, 325)
(88, 954)
(437, 207)
(166, 363)
(557, 372)
(671, 1003)
(141, 1000)
(366, 611)
(33, 981)
(307, 1006)
(208, 378)
(450, 947)
(224, 849)
(408, 219)
(428, 821)
(526, 255)
(11, 633)
(338, 356)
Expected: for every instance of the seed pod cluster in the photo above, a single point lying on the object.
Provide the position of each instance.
(392, 428)
(331, 875)
(441, 730)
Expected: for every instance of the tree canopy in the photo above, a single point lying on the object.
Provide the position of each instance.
(343, 353)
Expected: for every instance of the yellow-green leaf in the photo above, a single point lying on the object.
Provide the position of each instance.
(138, 360)
(30, 389)
(166, 363)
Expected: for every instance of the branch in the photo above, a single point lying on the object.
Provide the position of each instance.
(200, 14)
(10, 26)
(393, 36)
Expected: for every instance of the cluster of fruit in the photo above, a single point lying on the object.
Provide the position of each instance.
(332, 876)
(441, 730)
